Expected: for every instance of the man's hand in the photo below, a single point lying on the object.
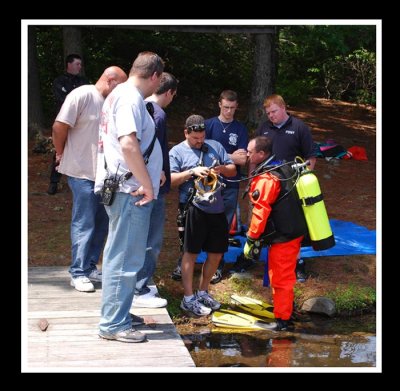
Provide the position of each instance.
(147, 194)
(252, 249)
(239, 157)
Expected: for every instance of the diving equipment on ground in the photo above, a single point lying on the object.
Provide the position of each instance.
(254, 306)
(238, 320)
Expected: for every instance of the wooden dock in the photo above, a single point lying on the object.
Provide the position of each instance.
(71, 342)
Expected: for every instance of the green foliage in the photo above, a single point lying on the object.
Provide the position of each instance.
(296, 91)
(51, 64)
(331, 61)
(352, 298)
(298, 291)
(205, 64)
(351, 77)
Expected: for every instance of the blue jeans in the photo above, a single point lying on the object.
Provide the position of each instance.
(154, 240)
(124, 255)
(89, 227)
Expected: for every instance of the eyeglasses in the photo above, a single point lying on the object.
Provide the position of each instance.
(196, 128)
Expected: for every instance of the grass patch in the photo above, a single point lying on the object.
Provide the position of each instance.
(242, 286)
(173, 302)
(352, 298)
(298, 294)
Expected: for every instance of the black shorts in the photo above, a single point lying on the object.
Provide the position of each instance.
(205, 232)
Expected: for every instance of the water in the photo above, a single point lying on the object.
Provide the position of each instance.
(319, 343)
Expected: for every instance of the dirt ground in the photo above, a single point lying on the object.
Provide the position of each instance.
(349, 188)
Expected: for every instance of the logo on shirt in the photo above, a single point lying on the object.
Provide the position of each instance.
(233, 139)
(289, 131)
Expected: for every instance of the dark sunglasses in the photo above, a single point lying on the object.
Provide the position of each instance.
(196, 128)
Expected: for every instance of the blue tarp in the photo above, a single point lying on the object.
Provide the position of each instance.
(350, 239)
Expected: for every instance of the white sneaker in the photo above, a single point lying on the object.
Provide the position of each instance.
(149, 300)
(95, 275)
(82, 284)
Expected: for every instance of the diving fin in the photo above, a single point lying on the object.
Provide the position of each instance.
(238, 320)
(254, 306)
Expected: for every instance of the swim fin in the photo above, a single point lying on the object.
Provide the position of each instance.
(238, 320)
(254, 306)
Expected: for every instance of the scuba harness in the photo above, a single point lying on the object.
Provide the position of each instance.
(285, 222)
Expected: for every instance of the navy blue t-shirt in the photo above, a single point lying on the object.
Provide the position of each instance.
(160, 119)
(292, 139)
(232, 136)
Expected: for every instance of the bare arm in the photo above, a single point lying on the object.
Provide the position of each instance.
(177, 178)
(239, 157)
(59, 135)
(312, 160)
(228, 170)
(134, 159)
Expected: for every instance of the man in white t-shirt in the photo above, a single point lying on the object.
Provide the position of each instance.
(128, 175)
(75, 137)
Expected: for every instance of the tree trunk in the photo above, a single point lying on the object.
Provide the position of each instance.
(264, 76)
(72, 40)
(35, 111)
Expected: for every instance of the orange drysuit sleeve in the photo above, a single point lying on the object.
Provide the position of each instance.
(264, 190)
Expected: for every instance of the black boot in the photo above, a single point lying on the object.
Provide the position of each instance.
(242, 264)
(52, 188)
(283, 325)
(301, 275)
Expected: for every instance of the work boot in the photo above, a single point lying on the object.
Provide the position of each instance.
(283, 325)
(52, 188)
(242, 264)
(301, 275)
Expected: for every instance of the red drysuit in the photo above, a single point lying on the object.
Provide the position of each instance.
(282, 257)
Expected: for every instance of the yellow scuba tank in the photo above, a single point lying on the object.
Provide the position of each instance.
(314, 210)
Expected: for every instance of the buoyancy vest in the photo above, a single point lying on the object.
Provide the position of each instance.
(286, 220)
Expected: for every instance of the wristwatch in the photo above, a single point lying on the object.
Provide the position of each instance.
(191, 172)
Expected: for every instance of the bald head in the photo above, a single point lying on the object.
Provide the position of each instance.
(115, 73)
(111, 77)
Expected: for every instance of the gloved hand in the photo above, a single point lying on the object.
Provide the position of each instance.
(252, 249)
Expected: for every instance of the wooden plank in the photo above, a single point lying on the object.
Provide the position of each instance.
(71, 339)
(97, 343)
(49, 271)
(117, 364)
(63, 314)
(71, 322)
(74, 331)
